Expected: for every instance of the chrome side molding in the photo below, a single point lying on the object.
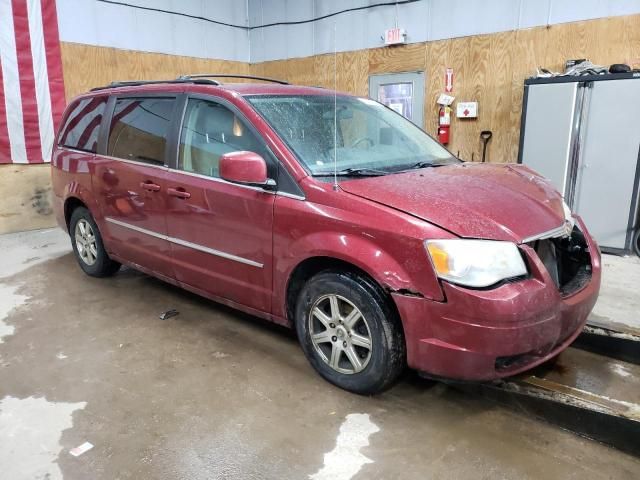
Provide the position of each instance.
(185, 243)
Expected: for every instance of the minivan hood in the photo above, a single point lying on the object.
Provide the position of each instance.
(498, 202)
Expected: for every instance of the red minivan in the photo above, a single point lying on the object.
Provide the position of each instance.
(328, 213)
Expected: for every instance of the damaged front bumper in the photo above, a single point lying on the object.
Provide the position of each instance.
(492, 333)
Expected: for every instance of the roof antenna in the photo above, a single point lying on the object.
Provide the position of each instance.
(335, 110)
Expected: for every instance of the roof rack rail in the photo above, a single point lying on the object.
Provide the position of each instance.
(227, 75)
(135, 83)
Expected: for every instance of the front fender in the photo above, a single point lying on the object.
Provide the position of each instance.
(361, 252)
(410, 275)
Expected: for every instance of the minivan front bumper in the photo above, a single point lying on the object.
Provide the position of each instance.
(493, 333)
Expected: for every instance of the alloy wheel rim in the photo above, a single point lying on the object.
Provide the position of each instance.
(86, 242)
(340, 334)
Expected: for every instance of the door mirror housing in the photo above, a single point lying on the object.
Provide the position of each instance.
(247, 168)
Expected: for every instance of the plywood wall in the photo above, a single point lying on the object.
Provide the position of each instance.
(27, 188)
(26, 191)
(489, 69)
(88, 66)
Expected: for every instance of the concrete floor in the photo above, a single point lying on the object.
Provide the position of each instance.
(619, 301)
(216, 394)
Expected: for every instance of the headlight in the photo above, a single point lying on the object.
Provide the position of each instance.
(475, 263)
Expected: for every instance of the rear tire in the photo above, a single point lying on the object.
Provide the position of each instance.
(88, 246)
(349, 333)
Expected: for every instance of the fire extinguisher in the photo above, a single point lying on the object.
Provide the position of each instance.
(444, 124)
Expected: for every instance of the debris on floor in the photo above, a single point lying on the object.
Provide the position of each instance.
(80, 449)
(168, 314)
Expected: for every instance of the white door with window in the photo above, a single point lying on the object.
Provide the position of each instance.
(402, 92)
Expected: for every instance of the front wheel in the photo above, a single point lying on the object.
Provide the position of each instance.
(349, 333)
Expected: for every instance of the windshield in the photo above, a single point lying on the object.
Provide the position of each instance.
(371, 138)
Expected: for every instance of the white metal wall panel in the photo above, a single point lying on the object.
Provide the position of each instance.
(461, 18)
(563, 11)
(103, 24)
(424, 21)
(533, 13)
(99, 23)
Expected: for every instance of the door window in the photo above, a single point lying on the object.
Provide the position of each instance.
(139, 129)
(398, 97)
(402, 92)
(209, 131)
(82, 126)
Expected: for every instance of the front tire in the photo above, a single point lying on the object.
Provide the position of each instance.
(88, 246)
(349, 333)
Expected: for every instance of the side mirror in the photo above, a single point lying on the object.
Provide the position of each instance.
(247, 168)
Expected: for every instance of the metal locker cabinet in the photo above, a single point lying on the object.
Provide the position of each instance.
(606, 182)
(549, 119)
(583, 134)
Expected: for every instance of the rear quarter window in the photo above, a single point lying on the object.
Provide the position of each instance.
(82, 125)
(139, 129)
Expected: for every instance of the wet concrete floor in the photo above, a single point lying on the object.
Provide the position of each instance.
(215, 394)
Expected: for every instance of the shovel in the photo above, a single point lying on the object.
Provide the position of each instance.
(485, 135)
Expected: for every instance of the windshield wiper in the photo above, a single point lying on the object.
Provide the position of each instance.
(424, 164)
(352, 172)
(421, 165)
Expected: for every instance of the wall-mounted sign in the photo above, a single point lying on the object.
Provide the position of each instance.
(445, 99)
(448, 80)
(467, 109)
(394, 36)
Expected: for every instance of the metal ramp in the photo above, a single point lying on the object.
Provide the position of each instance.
(587, 390)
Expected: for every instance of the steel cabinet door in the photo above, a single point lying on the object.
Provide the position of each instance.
(220, 232)
(607, 174)
(130, 182)
(548, 130)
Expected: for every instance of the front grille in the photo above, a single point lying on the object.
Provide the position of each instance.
(567, 259)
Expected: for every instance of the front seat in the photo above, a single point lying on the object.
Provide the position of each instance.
(214, 137)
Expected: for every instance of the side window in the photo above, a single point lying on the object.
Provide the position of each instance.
(81, 127)
(209, 131)
(139, 129)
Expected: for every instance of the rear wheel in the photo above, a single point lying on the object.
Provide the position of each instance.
(349, 333)
(88, 247)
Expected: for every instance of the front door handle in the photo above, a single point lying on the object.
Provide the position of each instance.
(178, 192)
(150, 186)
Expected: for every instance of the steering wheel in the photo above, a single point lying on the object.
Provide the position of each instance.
(363, 139)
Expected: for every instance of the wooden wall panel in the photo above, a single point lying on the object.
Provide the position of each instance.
(27, 188)
(88, 66)
(402, 58)
(488, 68)
(26, 191)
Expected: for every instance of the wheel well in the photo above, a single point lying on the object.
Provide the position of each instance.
(312, 266)
(69, 206)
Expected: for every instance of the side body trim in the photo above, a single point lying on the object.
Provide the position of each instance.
(184, 243)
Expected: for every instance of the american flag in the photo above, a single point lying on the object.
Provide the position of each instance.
(31, 85)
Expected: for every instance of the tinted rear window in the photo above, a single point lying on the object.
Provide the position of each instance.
(81, 128)
(139, 129)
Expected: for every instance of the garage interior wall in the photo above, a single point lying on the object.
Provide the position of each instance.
(102, 42)
(491, 48)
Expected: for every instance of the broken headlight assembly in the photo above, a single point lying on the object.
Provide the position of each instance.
(475, 263)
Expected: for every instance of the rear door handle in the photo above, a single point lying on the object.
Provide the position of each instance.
(150, 186)
(178, 192)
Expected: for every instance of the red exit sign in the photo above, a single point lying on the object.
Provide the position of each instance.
(393, 36)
